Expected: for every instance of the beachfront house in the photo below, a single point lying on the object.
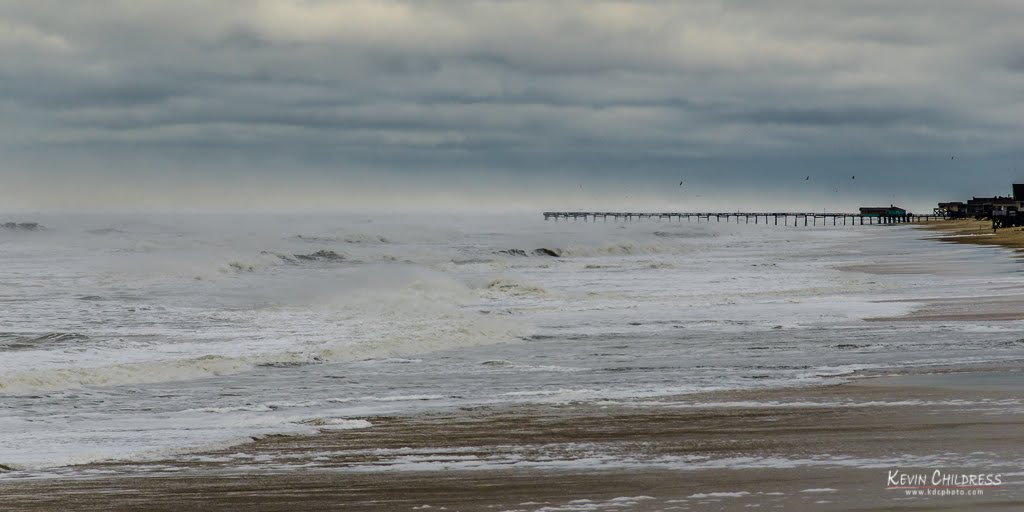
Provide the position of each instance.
(952, 210)
(1004, 210)
(983, 207)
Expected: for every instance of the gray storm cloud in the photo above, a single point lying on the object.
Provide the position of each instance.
(398, 102)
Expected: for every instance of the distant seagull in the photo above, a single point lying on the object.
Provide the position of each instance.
(680, 183)
(951, 157)
(807, 178)
(853, 177)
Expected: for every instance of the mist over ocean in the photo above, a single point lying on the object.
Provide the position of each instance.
(127, 337)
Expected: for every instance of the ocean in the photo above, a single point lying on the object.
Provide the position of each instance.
(135, 337)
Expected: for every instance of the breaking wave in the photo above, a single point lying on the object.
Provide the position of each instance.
(543, 251)
(55, 379)
(17, 341)
(105, 231)
(356, 238)
(616, 249)
(22, 226)
(321, 255)
(512, 287)
(270, 259)
(379, 313)
(57, 337)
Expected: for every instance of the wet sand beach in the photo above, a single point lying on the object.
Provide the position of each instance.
(1005, 306)
(979, 232)
(826, 448)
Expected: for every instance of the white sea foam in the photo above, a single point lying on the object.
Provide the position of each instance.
(52, 379)
(341, 424)
(737, 494)
(224, 410)
(409, 312)
(406, 398)
(580, 458)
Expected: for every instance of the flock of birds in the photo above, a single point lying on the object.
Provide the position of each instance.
(806, 178)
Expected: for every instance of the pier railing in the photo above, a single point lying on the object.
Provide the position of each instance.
(771, 218)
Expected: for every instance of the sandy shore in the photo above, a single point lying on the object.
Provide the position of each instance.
(977, 232)
(795, 449)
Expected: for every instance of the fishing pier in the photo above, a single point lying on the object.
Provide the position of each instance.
(769, 218)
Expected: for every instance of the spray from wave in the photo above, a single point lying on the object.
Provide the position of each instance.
(375, 311)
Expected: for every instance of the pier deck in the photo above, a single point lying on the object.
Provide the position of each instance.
(770, 218)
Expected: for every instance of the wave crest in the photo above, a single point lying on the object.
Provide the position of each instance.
(543, 251)
(22, 226)
(625, 248)
(511, 287)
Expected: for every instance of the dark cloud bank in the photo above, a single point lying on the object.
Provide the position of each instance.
(518, 104)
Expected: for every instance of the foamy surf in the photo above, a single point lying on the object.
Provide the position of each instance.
(391, 338)
(127, 337)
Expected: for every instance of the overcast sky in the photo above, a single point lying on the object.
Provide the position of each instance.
(518, 104)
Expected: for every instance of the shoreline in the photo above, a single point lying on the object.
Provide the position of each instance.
(828, 447)
(994, 308)
(976, 232)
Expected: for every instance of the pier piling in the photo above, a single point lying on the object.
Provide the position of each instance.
(809, 219)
